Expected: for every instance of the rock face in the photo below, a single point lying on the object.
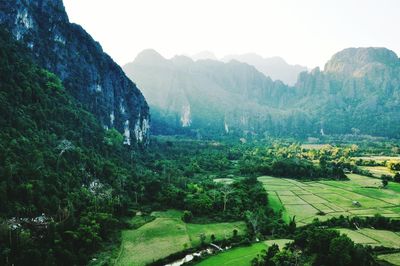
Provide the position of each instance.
(87, 72)
(359, 91)
(353, 61)
(206, 93)
(274, 67)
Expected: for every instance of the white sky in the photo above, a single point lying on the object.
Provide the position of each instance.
(306, 32)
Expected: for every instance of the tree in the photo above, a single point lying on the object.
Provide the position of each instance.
(385, 182)
(65, 145)
(187, 216)
(226, 191)
(341, 250)
(252, 218)
(396, 178)
(202, 237)
(213, 238)
(113, 138)
(292, 225)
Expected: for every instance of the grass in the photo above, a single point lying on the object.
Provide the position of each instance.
(280, 242)
(357, 237)
(168, 234)
(393, 258)
(315, 146)
(286, 200)
(334, 198)
(277, 206)
(241, 256)
(220, 231)
(378, 158)
(377, 171)
(383, 237)
(224, 180)
(373, 237)
(153, 241)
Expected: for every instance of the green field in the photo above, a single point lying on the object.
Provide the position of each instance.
(333, 198)
(391, 258)
(315, 146)
(224, 180)
(377, 171)
(167, 234)
(241, 256)
(378, 158)
(373, 237)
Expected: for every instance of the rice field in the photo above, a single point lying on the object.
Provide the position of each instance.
(328, 198)
(168, 234)
(393, 258)
(377, 171)
(373, 237)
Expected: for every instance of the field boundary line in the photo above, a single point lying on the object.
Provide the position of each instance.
(348, 190)
(379, 242)
(312, 205)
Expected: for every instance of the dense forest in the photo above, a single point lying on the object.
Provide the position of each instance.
(66, 183)
(78, 164)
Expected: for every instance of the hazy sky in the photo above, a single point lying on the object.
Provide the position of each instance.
(306, 32)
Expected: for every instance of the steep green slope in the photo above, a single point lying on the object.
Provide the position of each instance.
(61, 173)
(87, 72)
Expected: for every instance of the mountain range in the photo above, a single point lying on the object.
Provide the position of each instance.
(274, 67)
(358, 91)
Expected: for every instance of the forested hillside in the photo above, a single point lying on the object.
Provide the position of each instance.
(67, 183)
(87, 72)
(63, 178)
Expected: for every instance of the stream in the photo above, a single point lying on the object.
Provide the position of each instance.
(191, 256)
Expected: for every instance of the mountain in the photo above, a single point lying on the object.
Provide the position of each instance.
(206, 94)
(56, 164)
(358, 91)
(204, 55)
(274, 67)
(88, 73)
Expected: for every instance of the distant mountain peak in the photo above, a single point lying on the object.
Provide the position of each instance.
(149, 55)
(182, 60)
(204, 55)
(274, 67)
(350, 60)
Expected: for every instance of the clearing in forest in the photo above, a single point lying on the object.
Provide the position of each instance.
(241, 256)
(168, 234)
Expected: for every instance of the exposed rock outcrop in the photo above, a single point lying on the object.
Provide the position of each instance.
(88, 73)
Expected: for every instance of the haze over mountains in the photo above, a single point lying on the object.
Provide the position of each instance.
(274, 67)
(358, 91)
(241, 94)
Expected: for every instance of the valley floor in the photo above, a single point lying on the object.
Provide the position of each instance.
(168, 234)
(241, 256)
(326, 199)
